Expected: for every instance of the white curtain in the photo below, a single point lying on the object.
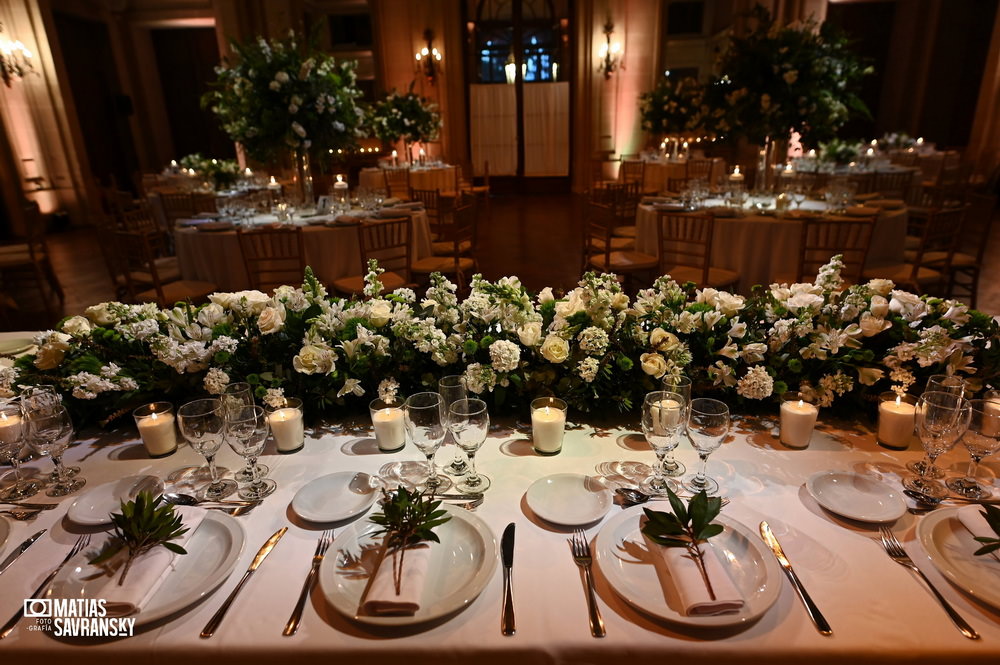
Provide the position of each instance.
(546, 129)
(493, 128)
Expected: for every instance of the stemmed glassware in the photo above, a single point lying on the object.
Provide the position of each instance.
(12, 427)
(41, 398)
(798, 194)
(425, 421)
(708, 426)
(234, 398)
(681, 385)
(469, 422)
(49, 431)
(203, 425)
(663, 415)
(942, 419)
(452, 388)
(944, 383)
(246, 432)
(981, 439)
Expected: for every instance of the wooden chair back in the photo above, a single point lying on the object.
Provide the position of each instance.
(272, 256)
(904, 158)
(941, 233)
(979, 218)
(632, 170)
(388, 242)
(699, 169)
(895, 184)
(685, 239)
(823, 238)
(139, 250)
(178, 205)
(139, 220)
(397, 182)
(598, 229)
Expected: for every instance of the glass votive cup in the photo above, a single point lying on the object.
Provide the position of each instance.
(388, 423)
(896, 420)
(548, 425)
(287, 426)
(157, 428)
(798, 419)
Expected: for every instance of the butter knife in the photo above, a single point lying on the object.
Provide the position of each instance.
(265, 549)
(507, 558)
(19, 550)
(817, 617)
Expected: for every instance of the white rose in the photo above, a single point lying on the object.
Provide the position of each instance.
(100, 315)
(620, 301)
(77, 326)
(211, 315)
(883, 287)
(313, 359)
(52, 352)
(555, 349)
(545, 295)
(872, 325)
(379, 312)
(224, 300)
(653, 364)
(908, 305)
(281, 77)
(803, 300)
(879, 306)
(567, 308)
(530, 334)
(661, 340)
(271, 320)
(728, 304)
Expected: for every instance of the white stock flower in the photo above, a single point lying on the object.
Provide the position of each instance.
(215, 381)
(593, 340)
(275, 397)
(587, 369)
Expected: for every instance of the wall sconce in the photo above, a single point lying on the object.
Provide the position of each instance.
(428, 58)
(611, 52)
(15, 60)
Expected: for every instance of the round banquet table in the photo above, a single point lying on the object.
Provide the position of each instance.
(656, 172)
(332, 252)
(763, 247)
(441, 178)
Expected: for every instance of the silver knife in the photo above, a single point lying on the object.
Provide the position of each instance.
(19, 550)
(507, 558)
(817, 617)
(265, 549)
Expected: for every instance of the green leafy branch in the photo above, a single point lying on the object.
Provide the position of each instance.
(990, 545)
(686, 527)
(407, 519)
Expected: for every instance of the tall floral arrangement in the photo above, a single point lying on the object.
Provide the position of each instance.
(222, 172)
(406, 116)
(674, 106)
(283, 94)
(801, 77)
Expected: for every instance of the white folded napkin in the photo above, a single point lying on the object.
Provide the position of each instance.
(681, 571)
(972, 520)
(147, 573)
(382, 599)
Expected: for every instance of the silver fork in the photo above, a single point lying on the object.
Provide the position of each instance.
(81, 542)
(896, 552)
(582, 557)
(321, 547)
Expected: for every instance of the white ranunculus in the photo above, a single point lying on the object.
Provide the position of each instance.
(574, 304)
(530, 333)
(879, 306)
(77, 326)
(100, 314)
(51, 353)
(661, 340)
(620, 301)
(555, 349)
(653, 364)
(271, 320)
(379, 312)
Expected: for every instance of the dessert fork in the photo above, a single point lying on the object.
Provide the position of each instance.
(321, 547)
(583, 558)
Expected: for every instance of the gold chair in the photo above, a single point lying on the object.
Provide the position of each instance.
(32, 257)
(141, 251)
(632, 170)
(177, 205)
(388, 242)
(926, 266)
(699, 169)
(823, 238)
(397, 183)
(895, 184)
(273, 256)
(604, 252)
(685, 244)
(452, 250)
(967, 261)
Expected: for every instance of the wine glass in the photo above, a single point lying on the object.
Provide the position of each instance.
(981, 439)
(663, 415)
(40, 398)
(425, 420)
(708, 426)
(945, 383)
(11, 439)
(469, 422)
(452, 388)
(798, 192)
(49, 432)
(942, 419)
(681, 385)
(234, 398)
(203, 425)
(246, 432)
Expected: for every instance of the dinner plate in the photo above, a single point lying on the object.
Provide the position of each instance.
(950, 547)
(856, 496)
(621, 553)
(335, 497)
(460, 567)
(10, 347)
(212, 553)
(4, 532)
(569, 499)
(94, 507)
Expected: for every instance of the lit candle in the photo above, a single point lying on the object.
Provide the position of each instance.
(895, 421)
(788, 168)
(736, 176)
(874, 143)
(10, 428)
(798, 420)
(991, 418)
(173, 163)
(247, 172)
(390, 430)
(870, 153)
(548, 424)
(811, 154)
(665, 415)
(394, 157)
(423, 155)
(287, 427)
(340, 184)
(920, 141)
(155, 423)
(273, 184)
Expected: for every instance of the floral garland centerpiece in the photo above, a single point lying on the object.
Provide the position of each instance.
(222, 173)
(407, 117)
(674, 107)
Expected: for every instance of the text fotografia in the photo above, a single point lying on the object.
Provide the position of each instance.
(76, 618)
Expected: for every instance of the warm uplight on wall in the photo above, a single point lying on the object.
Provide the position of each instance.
(15, 59)
(611, 51)
(428, 58)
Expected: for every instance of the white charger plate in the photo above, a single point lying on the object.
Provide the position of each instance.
(569, 499)
(621, 553)
(94, 507)
(950, 547)
(855, 496)
(335, 497)
(212, 553)
(11, 347)
(460, 567)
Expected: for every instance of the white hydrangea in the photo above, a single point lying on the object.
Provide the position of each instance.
(274, 397)
(587, 369)
(504, 355)
(387, 390)
(756, 383)
(479, 379)
(8, 375)
(593, 340)
(215, 381)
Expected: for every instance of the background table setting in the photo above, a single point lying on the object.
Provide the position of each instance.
(442, 177)
(823, 502)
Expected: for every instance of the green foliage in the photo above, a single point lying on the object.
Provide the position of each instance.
(406, 116)
(674, 106)
(407, 520)
(686, 527)
(992, 516)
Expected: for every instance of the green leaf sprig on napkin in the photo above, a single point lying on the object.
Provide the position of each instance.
(686, 527)
(142, 525)
(407, 519)
(990, 545)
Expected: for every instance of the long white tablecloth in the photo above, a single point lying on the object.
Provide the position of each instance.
(879, 611)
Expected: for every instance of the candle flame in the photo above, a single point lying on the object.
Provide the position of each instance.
(736, 171)
(340, 178)
(898, 400)
(801, 403)
(153, 415)
(4, 416)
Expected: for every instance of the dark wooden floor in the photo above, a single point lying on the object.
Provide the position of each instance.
(535, 237)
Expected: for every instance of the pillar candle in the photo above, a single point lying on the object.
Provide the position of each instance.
(287, 427)
(666, 414)
(548, 425)
(895, 423)
(10, 428)
(736, 176)
(158, 433)
(390, 430)
(991, 418)
(798, 420)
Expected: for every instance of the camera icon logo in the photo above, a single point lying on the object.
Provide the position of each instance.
(38, 608)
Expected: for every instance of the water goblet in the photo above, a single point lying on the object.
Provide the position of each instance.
(236, 396)
(469, 422)
(945, 383)
(452, 388)
(40, 398)
(942, 418)
(203, 425)
(798, 192)
(49, 432)
(981, 439)
(11, 439)
(425, 421)
(681, 385)
(708, 426)
(663, 415)
(246, 432)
